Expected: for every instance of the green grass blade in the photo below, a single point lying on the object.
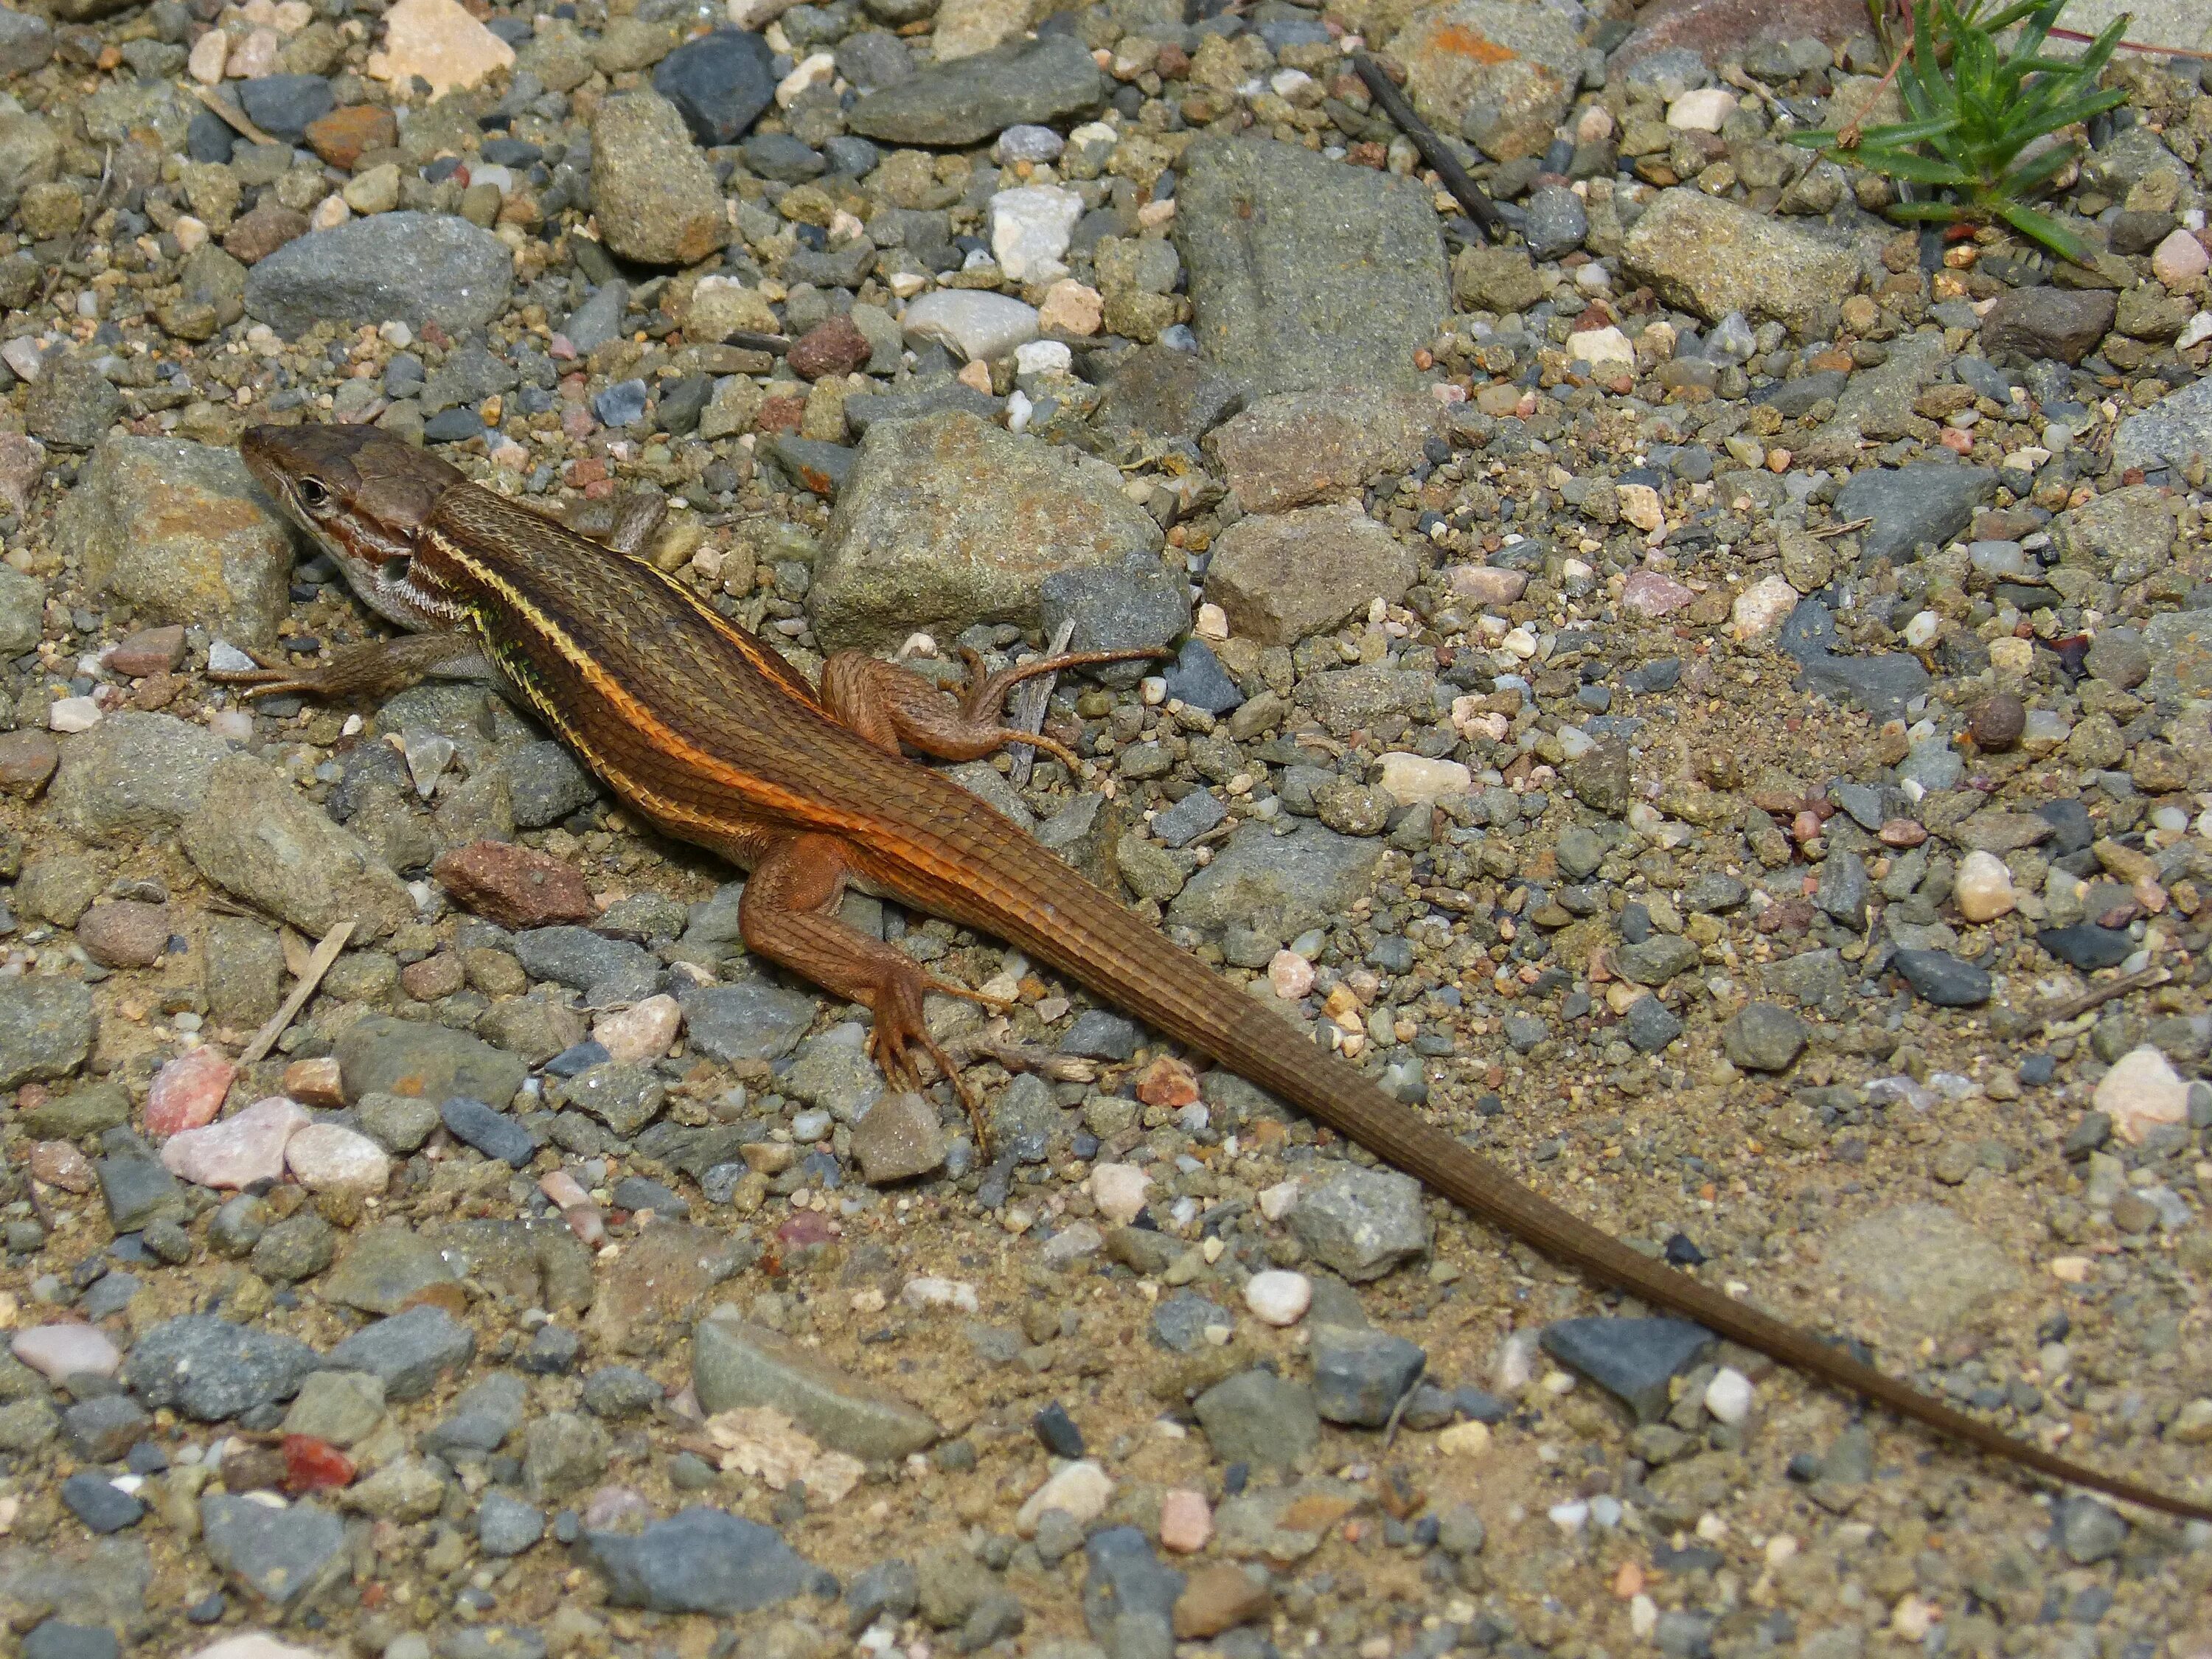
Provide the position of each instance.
(2046, 230)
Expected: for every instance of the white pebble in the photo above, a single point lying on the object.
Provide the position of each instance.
(2142, 1092)
(1728, 1396)
(328, 1157)
(1982, 887)
(1278, 1297)
(1080, 1491)
(74, 714)
(1118, 1190)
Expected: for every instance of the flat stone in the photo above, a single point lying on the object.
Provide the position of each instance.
(408, 1353)
(46, 1027)
(1258, 1418)
(1762, 1037)
(257, 837)
(968, 101)
(57, 1352)
(2048, 322)
(2172, 432)
(749, 1018)
(211, 1369)
(1305, 273)
(734, 1365)
(949, 522)
(1930, 1271)
(978, 326)
(1632, 1359)
(1360, 1376)
(1712, 257)
(1362, 1223)
(899, 1138)
(409, 267)
(1158, 392)
(378, 1054)
(1301, 447)
(134, 773)
(283, 1556)
(514, 887)
(1940, 978)
(720, 82)
(1280, 579)
(700, 1560)
(652, 189)
(1498, 74)
(342, 1407)
(1277, 884)
(246, 1147)
(179, 532)
(440, 41)
(329, 1158)
(1923, 503)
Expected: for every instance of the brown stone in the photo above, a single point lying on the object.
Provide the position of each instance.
(834, 346)
(27, 759)
(59, 1163)
(1721, 29)
(513, 886)
(2047, 322)
(1307, 446)
(434, 976)
(1218, 1598)
(1281, 578)
(150, 650)
(128, 934)
(1998, 723)
(262, 232)
(341, 137)
(317, 1082)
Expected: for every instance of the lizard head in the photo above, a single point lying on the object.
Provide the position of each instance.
(365, 496)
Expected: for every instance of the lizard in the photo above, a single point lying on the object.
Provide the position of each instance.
(713, 736)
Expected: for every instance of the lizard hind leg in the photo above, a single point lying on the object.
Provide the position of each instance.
(888, 703)
(789, 914)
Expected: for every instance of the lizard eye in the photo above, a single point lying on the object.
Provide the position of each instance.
(314, 495)
(393, 572)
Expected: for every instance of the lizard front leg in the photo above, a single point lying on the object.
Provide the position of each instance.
(789, 914)
(888, 704)
(375, 669)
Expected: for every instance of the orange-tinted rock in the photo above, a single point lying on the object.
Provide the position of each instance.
(262, 232)
(27, 759)
(1217, 1598)
(833, 346)
(150, 650)
(341, 137)
(514, 887)
(187, 1092)
(128, 934)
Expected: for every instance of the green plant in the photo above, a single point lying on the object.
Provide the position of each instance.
(1976, 109)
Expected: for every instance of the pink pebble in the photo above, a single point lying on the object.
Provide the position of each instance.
(188, 1092)
(1653, 593)
(639, 1034)
(245, 1147)
(609, 1507)
(58, 1351)
(1290, 974)
(2180, 259)
(1186, 1521)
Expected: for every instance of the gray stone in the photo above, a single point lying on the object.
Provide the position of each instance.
(408, 1353)
(98, 1502)
(1927, 1268)
(701, 1560)
(132, 774)
(2131, 526)
(1129, 1595)
(1925, 504)
(343, 1407)
(563, 1453)
(624, 1097)
(746, 1019)
(72, 404)
(1632, 1359)
(2089, 1531)
(26, 43)
(507, 1526)
(386, 1266)
(2173, 432)
(2045, 321)
(102, 1429)
(1360, 1376)
(1713, 256)
(652, 192)
(620, 1391)
(1762, 1037)
(212, 1371)
(1557, 222)
(545, 783)
(284, 1557)
(1940, 978)
(965, 101)
(720, 82)
(255, 836)
(607, 970)
(1305, 273)
(413, 268)
(482, 1418)
(1116, 608)
(46, 1027)
(1649, 1025)
(1180, 1323)
(399, 1123)
(1655, 960)
(734, 1363)
(949, 522)
(1283, 577)
(1256, 1417)
(1279, 885)
(899, 1138)
(1496, 73)
(1845, 890)
(378, 1054)
(1362, 1223)
(22, 605)
(1158, 393)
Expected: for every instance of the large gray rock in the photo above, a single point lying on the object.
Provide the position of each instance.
(1925, 1265)
(701, 1560)
(413, 268)
(1279, 885)
(654, 195)
(963, 102)
(1925, 504)
(133, 774)
(734, 1365)
(1362, 1223)
(47, 1028)
(181, 532)
(1498, 73)
(2133, 525)
(1306, 273)
(951, 521)
(1713, 256)
(381, 1055)
(211, 1369)
(255, 836)
(286, 1558)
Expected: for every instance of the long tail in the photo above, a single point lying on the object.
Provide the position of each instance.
(1096, 942)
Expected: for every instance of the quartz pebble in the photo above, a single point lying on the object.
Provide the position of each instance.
(1186, 1521)
(1118, 1189)
(328, 1157)
(1279, 1297)
(1982, 887)
(639, 1034)
(187, 1092)
(1728, 1396)
(58, 1351)
(2141, 1092)
(1080, 1490)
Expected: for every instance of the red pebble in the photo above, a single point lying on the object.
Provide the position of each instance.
(188, 1092)
(313, 1465)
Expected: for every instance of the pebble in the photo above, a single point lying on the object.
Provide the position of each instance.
(1119, 1190)
(2142, 1092)
(639, 1034)
(247, 1147)
(1278, 1297)
(57, 1352)
(1728, 1396)
(326, 1157)
(1983, 888)
(187, 1092)
(978, 326)
(1080, 1490)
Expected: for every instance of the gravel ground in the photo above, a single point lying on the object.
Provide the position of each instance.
(1708, 700)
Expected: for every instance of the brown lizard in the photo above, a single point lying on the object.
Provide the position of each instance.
(709, 734)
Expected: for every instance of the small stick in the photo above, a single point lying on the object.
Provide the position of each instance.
(1028, 712)
(240, 122)
(1468, 194)
(318, 965)
(1828, 531)
(2074, 1007)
